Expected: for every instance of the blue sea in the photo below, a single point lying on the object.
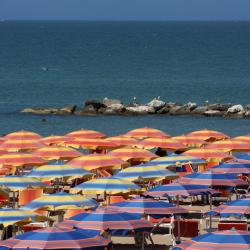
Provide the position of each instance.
(178, 61)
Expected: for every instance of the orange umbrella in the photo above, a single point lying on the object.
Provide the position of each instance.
(91, 143)
(17, 145)
(133, 154)
(206, 134)
(245, 138)
(84, 133)
(190, 141)
(95, 161)
(234, 145)
(21, 159)
(23, 135)
(54, 139)
(141, 133)
(167, 144)
(56, 153)
(122, 140)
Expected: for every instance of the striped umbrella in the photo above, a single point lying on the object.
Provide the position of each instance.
(107, 218)
(206, 134)
(16, 183)
(56, 238)
(61, 201)
(95, 161)
(223, 240)
(164, 143)
(122, 140)
(141, 133)
(245, 138)
(138, 154)
(178, 189)
(146, 173)
(21, 159)
(239, 207)
(189, 141)
(23, 135)
(84, 133)
(213, 179)
(56, 153)
(149, 206)
(17, 145)
(243, 157)
(54, 140)
(234, 145)
(234, 167)
(50, 172)
(109, 185)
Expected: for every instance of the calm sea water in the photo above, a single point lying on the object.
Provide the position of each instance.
(179, 61)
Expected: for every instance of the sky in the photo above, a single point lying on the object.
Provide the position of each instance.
(125, 9)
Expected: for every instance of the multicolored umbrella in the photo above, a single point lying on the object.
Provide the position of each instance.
(142, 133)
(122, 140)
(206, 134)
(146, 173)
(109, 185)
(56, 238)
(189, 141)
(245, 138)
(138, 154)
(56, 153)
(243, 157)
(234, 167)
(95, 161)
(23, 135)
(61, 201)
(50, 172)
(223, 240)
(84, 133)
(178, 189)
(55, 140)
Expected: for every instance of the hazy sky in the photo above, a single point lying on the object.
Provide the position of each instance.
(126, 9)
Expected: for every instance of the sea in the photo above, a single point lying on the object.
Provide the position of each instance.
(57, 63)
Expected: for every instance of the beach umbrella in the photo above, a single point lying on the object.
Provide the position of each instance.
(50, 172)
(164, 143)
(55, 140)
(107, 218)
(239, 207)
(245, 138)
(84, 133)
(109, 185)
(149, 206)
(137, 154)
(61, 201)
(234, 167)
(56, 153)
(206, 134)
(178, 189)
(232, 145)
(142, 133)
(95, 161)
(56, 238)
(23, 135)
(213, 179)
(189, 141)
(223, 240)
(146, 173)
(17, 183)
(21, 159)
(91, 143)
(122, 140)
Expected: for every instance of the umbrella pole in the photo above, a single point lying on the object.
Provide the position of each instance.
(178, 222)
(143, 241)
(210, 206)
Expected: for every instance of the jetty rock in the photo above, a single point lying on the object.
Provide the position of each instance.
(235, 109)
(109, 102)
(114, 109)
(68, 110)
(140, 110)
(200, 110)
(96, 104)
(214, 113)
(219, 106)
(157, 104)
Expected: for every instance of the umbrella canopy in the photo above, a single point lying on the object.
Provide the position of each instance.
(206, 134)
(239, 207)
(141, 133)
(189, 141)
(84, 133)
(55, 140)
(56, 238)
(233, 167)
(122, 140)
(245, 138)
(16, 183)
(164, 143)
(107, 218)
(133, 154)
(62, 200)
(178, 189)
(109, 185)
(149, 206)
(50, 172)
(223, 240)
(23, 135)
(17, 145)
(21, 159)
(232, 145)
(56, 153)
(213, 179)
(95, 161)
(243, 157)
(146, 172)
